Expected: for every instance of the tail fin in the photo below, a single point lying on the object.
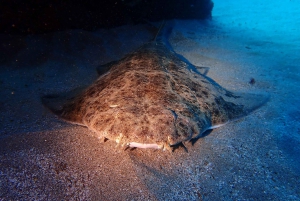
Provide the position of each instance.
(159, 30)
(163, 33)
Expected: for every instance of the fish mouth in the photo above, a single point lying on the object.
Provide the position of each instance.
(144, 146)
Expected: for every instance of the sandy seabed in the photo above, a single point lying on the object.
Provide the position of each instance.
(44, 158)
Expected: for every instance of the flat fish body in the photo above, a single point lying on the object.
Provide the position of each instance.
(152, 99)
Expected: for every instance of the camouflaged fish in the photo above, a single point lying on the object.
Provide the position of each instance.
(152, 98)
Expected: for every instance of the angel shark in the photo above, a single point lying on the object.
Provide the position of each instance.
(152, 98)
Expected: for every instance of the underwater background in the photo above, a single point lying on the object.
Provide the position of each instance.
(249, 46)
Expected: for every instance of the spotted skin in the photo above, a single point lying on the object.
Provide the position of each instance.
(152, 97)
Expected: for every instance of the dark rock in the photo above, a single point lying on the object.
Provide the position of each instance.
(30, 16)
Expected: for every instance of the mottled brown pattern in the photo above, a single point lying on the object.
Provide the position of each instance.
(151, 96)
